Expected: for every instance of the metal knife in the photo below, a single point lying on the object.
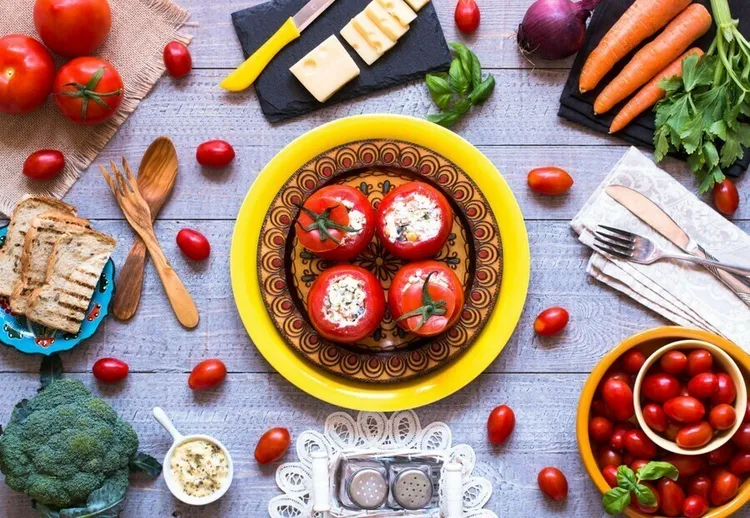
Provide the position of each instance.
(246, 74)
(650, 213)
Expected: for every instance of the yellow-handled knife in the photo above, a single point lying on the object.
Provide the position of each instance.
(246, 74)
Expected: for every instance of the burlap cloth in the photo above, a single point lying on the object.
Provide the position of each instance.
(140, 30)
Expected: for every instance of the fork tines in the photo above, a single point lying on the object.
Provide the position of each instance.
(613, 241)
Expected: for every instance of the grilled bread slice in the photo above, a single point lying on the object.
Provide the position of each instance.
(44, 232)
(74, 268)
(10, 255)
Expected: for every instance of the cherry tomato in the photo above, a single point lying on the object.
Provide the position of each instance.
(638, 464)
(699, 361)
(610, 475)
(215, 153)
(619, 398)
(500, 424)
(660, 387)
(726, 197)
(724, 488)
(687, 465)
(608, 457)
(722, 454)
(551, 181)
(639, 445)
(694, 435)
(426, 314)
(88, 90)
(193, 244)
(671, 497)
(467, 16)
(44, 164)
(633, 360)
(726, 393)
(722, 417)
(551, 321)
(600, 408)
(655, 418)
(617, 440)
(694, 507)
(600, 429)
(272, 445)
(740, 464)
(110, 370)
(553, 484)
(700, 485)
(26, 74)
(177, 59)
(684, 409)
(618, 375)
(72, 28)
(703, 385)
(642, 508)
(672, 431)
(337, 223)
(741, 439)
(405, 221)
(673, 362)
(207, 374)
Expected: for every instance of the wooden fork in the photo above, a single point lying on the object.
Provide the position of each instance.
(136, 211)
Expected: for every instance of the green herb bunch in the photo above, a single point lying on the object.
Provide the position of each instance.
(628, 483)
(705, 112)
(456, 91)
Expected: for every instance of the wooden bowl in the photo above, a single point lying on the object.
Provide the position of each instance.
(729, 366)
(649, 342)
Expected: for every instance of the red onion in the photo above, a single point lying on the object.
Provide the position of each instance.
(555, 29)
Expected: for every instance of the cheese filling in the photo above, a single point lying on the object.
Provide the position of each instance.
(438, 278)
(356, 220)
(412, 218)
(344, 303)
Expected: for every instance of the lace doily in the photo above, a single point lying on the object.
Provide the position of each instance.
(373, 430)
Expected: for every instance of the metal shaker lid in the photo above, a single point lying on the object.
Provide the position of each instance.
(368, 489)
(412, 489)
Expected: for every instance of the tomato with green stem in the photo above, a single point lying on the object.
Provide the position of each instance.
(88, 90)
(26, 74)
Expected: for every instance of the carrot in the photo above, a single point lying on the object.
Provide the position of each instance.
(650, 94)
(642, 20)
(690, 24)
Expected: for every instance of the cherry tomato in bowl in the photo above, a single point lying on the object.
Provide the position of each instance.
(72, 28)
(26, 74)
(272, 445)
(88, 90)
(500, 424)
(215, 153)
(110, 370)
(44, 164)
(551, 321)
(553, 484)
(177, 59)
(207, 374)
(193, 244)
(550, 181)
(726, 197)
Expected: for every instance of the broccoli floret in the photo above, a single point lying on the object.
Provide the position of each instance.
(63, 444)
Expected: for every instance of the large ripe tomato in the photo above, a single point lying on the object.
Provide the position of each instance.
(671, 497)
(619, 398)
(337, 223)
(426, 298)
(72, 27)
(684, 409)
(346, 303)
(207, 374)
(272, 445)
(26, 74)
(660, 387)
(500, 424)
(110, 370)
(88, 90)
(414, 221)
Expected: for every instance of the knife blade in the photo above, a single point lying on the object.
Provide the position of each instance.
(246, 74)
(652, 214)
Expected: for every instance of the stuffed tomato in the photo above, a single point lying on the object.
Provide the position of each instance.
(337, 222)
(426, 298)
(414, 221)
(346, 303)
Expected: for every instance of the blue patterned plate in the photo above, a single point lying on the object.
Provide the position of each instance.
(31, 338)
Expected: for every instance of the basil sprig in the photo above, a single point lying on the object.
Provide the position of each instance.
(617, 499)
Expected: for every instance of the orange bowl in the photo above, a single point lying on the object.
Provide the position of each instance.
(648, 342)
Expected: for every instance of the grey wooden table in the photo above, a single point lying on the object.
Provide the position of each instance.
(518, 129)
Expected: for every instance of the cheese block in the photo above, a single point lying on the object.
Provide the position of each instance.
(399, 10)
(385, 22)
(358, 42)
(325, 69)
(417, 4)
(372, 33)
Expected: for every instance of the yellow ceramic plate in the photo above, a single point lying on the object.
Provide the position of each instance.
(340, 391)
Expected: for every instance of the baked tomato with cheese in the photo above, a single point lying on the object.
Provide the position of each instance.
(426, 298)
(337, 222)
(414, 221)
(346, 303)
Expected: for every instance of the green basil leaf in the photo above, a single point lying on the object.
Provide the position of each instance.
(464, 57)
(616, 500)
(462, 106)
(50, 370)
(626, 478)
(145, 463)
(644, 495)
(446, 120)
(655, 470)
(482, 92)
(459, 81)
(440, 90)
(476, 71)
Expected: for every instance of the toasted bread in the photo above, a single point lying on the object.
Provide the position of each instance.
(10, 255)
(44, 232)
(74, 268)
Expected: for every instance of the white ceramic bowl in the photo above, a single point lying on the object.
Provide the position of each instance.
(179, 440)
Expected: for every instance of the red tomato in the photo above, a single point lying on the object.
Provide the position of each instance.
(193, 244)
(694, 507)
(272, 445)
(44, 164)
(700, 485)
(699, 361)
(551, 321)
(361, 316)
(703, 385)
(26, 74)
(619, 398)
(609, 457)
(617, 440)
(722, 454)
(72, 27)
(638, 464)
(633, 360)
(337, 223)
(467, 16)
(687, 465)
(671, 497)
(672, 431)
(500, 424)
(207, 374)
(426, 313)
(82, 84)
(177, 59)
(694, 435)
(726, 393)
(110, 370)
(600, 408)
(741, 439)
(740, 464)
(746, 419)
(673, 362)
(660, 387)
(610, 475)
(722, 417)
(642, 508)
(725, 487)
(639, 445)
(684, 409)
(600, 429)
(405, 221)
(726, 197)
(553, 484)
(618, 375)
(551, 181)
(655, 418)
(215, 153)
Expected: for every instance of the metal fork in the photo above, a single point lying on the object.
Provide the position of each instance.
(639, 249)
(136, 211)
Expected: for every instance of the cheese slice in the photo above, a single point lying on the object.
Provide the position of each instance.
(385, 22)
(417, 4)
(399, 10)
(358, 42)
(372, 33)
(325, 69)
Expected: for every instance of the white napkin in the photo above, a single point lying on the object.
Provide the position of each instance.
(682, 292)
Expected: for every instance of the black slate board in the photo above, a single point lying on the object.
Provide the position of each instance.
(579, 107)
(423, 49)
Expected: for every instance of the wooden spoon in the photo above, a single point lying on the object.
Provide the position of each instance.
(156, 177)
